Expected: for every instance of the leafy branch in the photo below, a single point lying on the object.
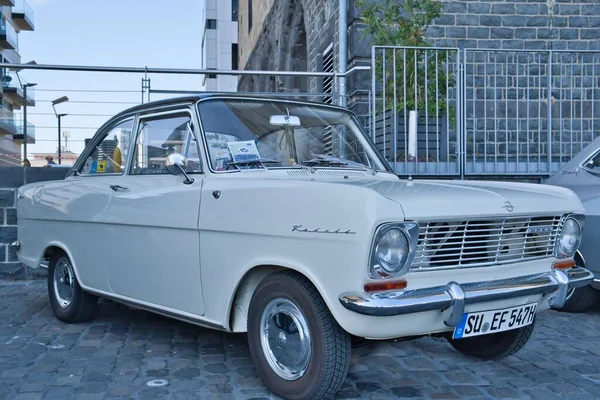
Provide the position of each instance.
(416, 79)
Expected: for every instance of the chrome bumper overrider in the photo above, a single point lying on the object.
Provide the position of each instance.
(452, 298)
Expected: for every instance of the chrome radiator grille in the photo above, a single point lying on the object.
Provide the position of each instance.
(476, 243)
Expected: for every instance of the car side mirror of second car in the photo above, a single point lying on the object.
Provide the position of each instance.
(176, 164)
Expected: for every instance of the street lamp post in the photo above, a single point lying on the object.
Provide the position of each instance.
(25, 86)
(62, 99)
(59, 116)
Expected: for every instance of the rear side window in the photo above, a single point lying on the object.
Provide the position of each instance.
(110, 155)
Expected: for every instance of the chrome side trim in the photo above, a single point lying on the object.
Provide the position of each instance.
(452, 298)
(153, 309)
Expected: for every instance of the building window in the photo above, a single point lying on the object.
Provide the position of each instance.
(234, 56)
(212, 76)
(249, 15)
(211, 24)
(234, 9)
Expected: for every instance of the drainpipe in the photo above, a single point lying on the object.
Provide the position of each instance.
(343, 49)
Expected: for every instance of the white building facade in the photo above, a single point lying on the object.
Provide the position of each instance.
(220, 43)
(15, 16)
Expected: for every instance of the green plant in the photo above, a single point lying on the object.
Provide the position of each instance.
(416, 78)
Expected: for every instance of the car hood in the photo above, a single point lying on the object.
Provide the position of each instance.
(422, 199)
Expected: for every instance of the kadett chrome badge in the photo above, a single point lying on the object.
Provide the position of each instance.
(508, 206)
(300, 228)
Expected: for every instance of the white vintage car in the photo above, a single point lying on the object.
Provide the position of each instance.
(280, 219)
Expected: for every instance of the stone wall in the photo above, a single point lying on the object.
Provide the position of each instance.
(248, 37)
(10, 179)
(493, 24)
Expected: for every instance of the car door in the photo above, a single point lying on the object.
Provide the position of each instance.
(153, 252)
(86, 196)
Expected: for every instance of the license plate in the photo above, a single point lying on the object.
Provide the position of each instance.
(494, 321)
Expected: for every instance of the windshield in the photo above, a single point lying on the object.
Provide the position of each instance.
(254, 134)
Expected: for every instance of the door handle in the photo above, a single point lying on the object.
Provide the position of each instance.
(118, 187)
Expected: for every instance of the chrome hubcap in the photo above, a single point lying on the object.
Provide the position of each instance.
(64, 281)
(285, 339)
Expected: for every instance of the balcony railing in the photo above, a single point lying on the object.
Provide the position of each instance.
(20, 135)
(7, 121)
(22, 16)
(8, 35)
(12, 85)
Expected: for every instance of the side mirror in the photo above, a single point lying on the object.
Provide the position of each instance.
(176, 164)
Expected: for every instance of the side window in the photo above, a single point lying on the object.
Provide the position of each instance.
(110, 155)
(593, 163)
(160, 136)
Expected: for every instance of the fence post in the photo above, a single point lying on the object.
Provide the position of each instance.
(549, 141)
(461, 117)
(373, 93)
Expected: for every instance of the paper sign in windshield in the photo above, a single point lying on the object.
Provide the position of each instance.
(244, 152)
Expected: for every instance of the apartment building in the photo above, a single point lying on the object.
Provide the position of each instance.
(15, 16)
(220, 43)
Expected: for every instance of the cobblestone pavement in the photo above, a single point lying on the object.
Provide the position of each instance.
(117, 354)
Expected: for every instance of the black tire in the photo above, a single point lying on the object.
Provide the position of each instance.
(330, 344)
(82, 306)
(580, 299)
(494, 346)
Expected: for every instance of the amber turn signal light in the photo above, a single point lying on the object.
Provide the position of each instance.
(564, 264)
(385, 285)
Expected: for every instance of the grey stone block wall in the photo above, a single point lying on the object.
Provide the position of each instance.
(10, 179)
(533, 24)
(10, 268)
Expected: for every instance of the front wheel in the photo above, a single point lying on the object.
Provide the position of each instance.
(299, 350)
(580, 299)
(494, 346)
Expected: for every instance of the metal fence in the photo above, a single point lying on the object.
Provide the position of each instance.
(416, 108)
(430, 111)
(529, 112)
(445, 111)
(96, 93)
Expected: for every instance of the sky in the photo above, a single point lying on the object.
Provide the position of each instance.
(130, 33)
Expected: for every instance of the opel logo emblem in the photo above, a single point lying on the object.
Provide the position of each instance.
(508, 206)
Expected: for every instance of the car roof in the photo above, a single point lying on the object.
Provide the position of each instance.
(206, 95)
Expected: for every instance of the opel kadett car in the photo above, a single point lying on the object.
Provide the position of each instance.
(582, 175)
(280, 219)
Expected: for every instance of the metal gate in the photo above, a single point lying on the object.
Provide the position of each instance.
(445, 111)
(416, 108)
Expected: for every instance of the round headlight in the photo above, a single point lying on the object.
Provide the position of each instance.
(392, 250)
(569, 239)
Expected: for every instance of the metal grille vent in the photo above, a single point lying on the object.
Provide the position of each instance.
(477, 243)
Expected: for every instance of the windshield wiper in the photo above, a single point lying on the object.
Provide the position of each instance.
(253, 162)
(320, 161)
(331, 161)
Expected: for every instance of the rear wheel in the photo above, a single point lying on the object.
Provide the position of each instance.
(298, 349)
(68, 301)
(494, 346)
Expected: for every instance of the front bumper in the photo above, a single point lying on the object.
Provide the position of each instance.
(452, 298)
